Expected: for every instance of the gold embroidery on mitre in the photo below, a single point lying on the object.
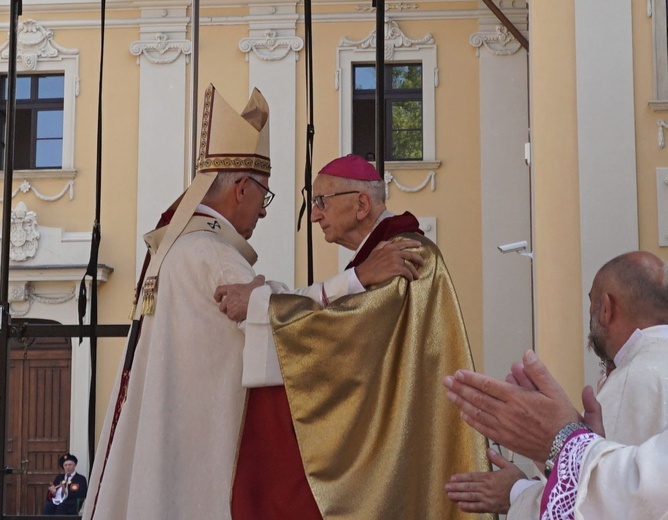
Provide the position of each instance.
(257, 164)
(206, 122)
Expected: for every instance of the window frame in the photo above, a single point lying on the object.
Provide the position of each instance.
(660, 37)
(59, 61)
(422, 51)
(391, 95)
(35, 105)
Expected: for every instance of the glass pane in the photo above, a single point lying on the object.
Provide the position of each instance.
(407, 115)
(406, 76)
(51, 87)
(406, 130)
(22, 87)
(364, 128)
(49, 124)
(365, 77)
(406, 144)
(49, 153)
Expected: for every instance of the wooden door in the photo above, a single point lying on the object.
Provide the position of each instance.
(38, 428)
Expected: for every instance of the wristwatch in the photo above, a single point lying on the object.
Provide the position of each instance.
(559, 441)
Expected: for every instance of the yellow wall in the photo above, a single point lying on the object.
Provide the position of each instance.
(649, 155)
(555, 184)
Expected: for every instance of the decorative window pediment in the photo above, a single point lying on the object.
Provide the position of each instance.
(395, 39)
(35, 44)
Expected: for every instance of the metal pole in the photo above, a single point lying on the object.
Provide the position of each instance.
(380, 86)
(310, 134)
(10, 122)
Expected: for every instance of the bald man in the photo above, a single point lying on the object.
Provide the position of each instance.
(629, 333)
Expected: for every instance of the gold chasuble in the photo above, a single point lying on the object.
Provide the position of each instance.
(377, 435)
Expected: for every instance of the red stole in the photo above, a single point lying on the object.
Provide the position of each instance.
(386, 230)
(270, 482)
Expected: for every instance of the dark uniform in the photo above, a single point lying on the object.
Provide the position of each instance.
(74, 489)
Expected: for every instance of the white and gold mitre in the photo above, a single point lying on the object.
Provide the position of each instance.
(232, 142)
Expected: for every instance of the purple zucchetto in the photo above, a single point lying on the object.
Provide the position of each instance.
(351, 167)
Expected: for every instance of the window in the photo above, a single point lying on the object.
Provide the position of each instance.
(659, 12)
(411, 79)
(39, 121)
(403, 111)
(47, 84)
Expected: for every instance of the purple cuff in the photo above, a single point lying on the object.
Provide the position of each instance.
(558, 501)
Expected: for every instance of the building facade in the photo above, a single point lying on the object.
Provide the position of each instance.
(560, 147)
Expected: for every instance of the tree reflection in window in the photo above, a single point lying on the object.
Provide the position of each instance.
(403, 111)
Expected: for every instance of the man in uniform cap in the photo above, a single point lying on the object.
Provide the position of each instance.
(343, 421)
(67, 490)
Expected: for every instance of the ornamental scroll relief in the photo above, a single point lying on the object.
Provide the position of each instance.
(25, 187)
(22, 296)
(272, 47)
(430, 180)
(498, 43)
(394, 39)
(162, 50)
(35, 43)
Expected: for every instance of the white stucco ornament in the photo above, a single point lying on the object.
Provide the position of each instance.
(24, 236)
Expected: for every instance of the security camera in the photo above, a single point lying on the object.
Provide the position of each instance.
(516, 247)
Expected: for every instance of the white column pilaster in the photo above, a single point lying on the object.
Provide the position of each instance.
(272, 48)
(506, 195)
(505, 191)
(162, 55)
(606, 141)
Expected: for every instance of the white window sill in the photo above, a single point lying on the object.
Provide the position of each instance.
(42, 174)
(411, 165)
(658, 105)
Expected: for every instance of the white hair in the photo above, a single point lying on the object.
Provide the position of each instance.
(375, 189)
(225, 180)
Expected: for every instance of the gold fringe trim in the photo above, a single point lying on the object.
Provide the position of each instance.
(149, 290)
(133, 311)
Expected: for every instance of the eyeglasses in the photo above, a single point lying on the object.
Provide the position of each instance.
(319, 200)
(269, 195)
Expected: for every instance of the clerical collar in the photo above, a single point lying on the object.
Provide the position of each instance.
(206, 210)
(657, 331)
(385, 214)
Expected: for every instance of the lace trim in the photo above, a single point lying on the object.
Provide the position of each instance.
(558, 501)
